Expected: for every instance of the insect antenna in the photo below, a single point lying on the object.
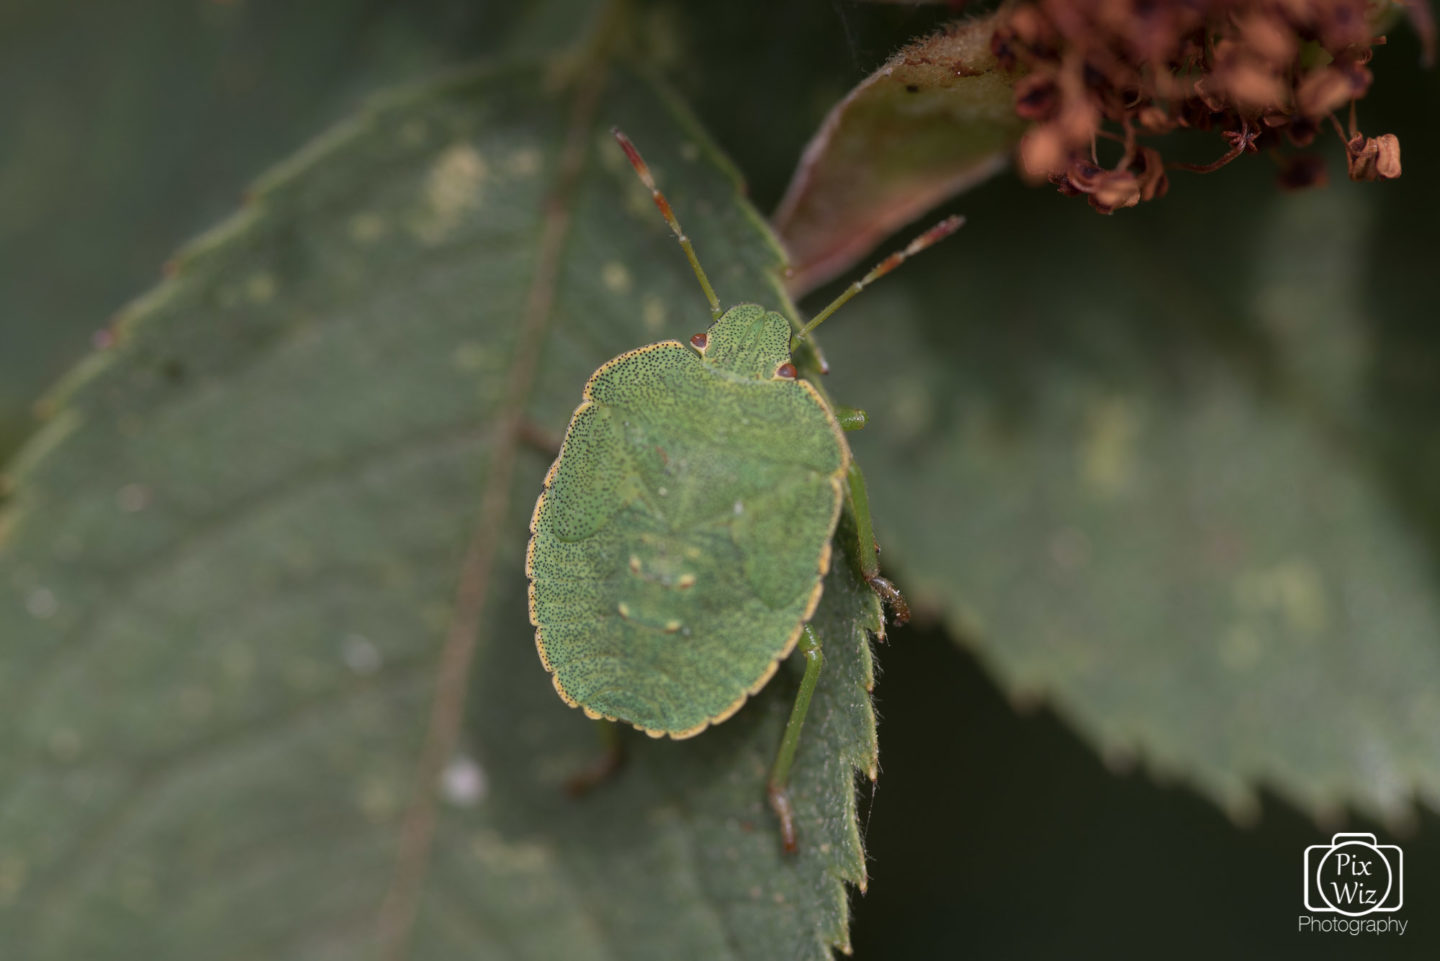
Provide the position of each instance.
(934, 235)
(643, 170)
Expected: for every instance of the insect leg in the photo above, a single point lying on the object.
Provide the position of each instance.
(604, 766)
(851, 418)
(866, 551)
(778, 790)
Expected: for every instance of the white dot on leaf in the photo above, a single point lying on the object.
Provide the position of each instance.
(463, 782)
(360, 654)
(41, 603)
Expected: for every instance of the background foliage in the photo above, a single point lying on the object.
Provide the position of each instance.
(1169, 474)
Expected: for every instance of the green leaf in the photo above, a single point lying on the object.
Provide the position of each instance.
(267, 669)
(1168, 474)
(144, 126)
(933, 120)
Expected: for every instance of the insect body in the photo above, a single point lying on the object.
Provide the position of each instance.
(679, 545)
(680, 542)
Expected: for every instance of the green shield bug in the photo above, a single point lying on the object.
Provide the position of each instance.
(680, 543)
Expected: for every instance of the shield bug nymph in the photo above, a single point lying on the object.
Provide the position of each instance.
(679, 546)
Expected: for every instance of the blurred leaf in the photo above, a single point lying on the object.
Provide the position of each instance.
(241, 617)
(1171, 471)
(937, 118)
(140, 123)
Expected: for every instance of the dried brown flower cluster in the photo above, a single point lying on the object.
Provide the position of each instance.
(1264, 73)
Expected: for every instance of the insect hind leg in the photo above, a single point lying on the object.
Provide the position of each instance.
(778, 788)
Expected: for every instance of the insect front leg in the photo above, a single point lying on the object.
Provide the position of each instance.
(857, 500)
(778, 789)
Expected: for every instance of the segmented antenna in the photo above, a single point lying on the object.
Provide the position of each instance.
(934, 235)
(643, 170)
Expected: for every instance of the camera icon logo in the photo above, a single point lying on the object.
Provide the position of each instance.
(1354, 876)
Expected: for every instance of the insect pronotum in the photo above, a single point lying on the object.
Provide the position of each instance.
(680, 544)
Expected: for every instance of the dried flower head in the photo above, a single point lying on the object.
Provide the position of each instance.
(1265, 74)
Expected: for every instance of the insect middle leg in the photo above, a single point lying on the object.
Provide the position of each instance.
(778, 789)
(857, 500)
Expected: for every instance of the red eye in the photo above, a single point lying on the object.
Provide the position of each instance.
(786, 371)
(699, 341)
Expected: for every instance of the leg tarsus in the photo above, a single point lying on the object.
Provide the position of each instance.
(611, 759)
(892, 598)
(778, 788)
(779, 798)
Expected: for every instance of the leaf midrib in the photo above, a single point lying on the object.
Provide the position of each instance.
(398, 910)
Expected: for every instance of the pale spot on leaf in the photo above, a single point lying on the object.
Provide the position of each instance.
(1294, 590)
(366, 228)
(378, 800)
(41, 603)
(524, 162)
(463, 782)
(652, 313)
(616, 278)
(1107, 455)
(912, 408)
(360, 654)
(1240, 647)
(13, 871)
(452, 191)
(63, 744)
(260, 287)
(498, 852)
(473, 356)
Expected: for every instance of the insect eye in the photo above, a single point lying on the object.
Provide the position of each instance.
(699, 341)
(786, 370)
